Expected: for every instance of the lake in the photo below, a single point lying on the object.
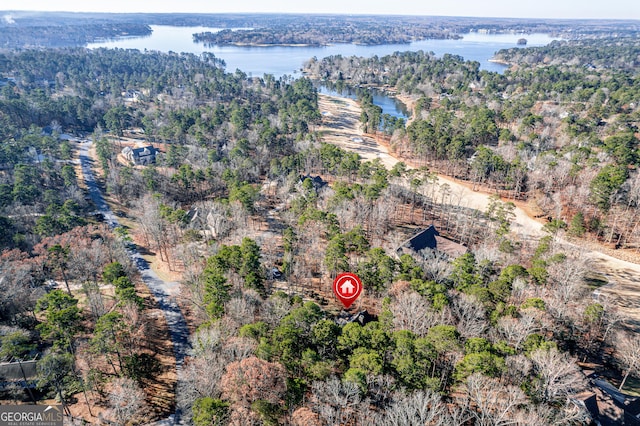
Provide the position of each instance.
(284, 60)
(281, 60)
(389, 104)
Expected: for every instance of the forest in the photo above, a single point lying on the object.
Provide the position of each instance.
(369, 30)
(22, 29)
(231, 211)
(329, 31)
(559, 129)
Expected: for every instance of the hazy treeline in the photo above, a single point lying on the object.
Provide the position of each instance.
(58, 29)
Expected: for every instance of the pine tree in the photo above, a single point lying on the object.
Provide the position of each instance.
(577, 228)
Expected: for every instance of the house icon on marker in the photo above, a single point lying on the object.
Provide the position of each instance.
(347, 287)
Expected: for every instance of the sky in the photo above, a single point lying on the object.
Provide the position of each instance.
(614, 9)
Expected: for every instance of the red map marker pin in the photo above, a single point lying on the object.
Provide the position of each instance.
(347, 287)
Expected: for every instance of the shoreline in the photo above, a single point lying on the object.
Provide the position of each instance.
(409, 102)
(347, 134)
(241, 44)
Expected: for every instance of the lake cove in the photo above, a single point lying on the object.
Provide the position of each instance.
(389, 104)
(288, 60)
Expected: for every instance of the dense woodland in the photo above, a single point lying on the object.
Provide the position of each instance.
(62, 36)
(323, 30)
(492, 337)
(559, 128)
(65, 29)
(323, 33)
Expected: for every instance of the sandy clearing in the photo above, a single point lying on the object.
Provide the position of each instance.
(340, 126)
(624, 284)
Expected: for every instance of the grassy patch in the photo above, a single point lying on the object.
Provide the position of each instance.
(154, 264)
(632, 386)
(595, 280)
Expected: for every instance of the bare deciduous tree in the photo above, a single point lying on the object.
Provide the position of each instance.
(492, 403)
(153, 226)
(240, 311)
(201, 374)
(516, 330)
(558, 375)
(191, 257)
(205, 341)
(518, 369)
(199, 378)
(628, 352)
(435, 265)
(274, 309)
(253, 379)
(470, 314)
(611, 318)
(303, 416)
(380, 388)
(381, 215)
(17, 276)
(87, 258)
(519, 290)
(488, 252)
(243, 416)
(95, 299)
(126, 401)
(418, 408)
(238, 348)
(412, 312)
(336, 402)
(568, 413)
(565, 282)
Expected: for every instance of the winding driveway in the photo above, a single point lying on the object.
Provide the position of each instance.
(161, 290)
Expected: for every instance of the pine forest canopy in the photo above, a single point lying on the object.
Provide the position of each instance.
(490, 336)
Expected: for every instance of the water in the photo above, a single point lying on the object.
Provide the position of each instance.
(284, 60)
(389, 104)
(281, 60)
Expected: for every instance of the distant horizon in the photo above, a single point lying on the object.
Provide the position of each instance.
(4, 12)
(542, 9)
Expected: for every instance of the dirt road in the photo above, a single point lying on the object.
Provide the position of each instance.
(163, 291)
(341, 127)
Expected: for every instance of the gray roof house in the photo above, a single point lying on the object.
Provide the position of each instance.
(317, 181)
(140, 156)
(606, 405)
(430, 239)
(22, 373)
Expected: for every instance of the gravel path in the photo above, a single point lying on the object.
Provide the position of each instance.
(162, 290)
